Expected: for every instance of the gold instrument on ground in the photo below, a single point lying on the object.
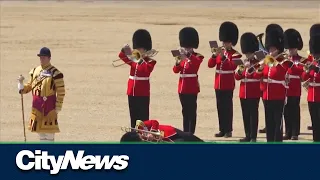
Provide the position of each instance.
(157, 137)
(136, 56)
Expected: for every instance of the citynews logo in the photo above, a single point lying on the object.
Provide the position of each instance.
(40, 160)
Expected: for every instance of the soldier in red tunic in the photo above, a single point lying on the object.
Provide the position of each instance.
(249, 91)
(138, 84)
(224, 84)
(293, 42)
(312, 74)
(187, 65)
(274, 85)
(269, 28)
(169, 133)
(315, 28)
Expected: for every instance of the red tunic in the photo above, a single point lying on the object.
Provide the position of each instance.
(273, 86)
(294, 75)
(250, 83)
(138, 83)
(224, 78)
(188, 69)
(314, 86)
(167, 130)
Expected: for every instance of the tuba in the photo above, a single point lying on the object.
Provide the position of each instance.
(136, 56)
(261, 46)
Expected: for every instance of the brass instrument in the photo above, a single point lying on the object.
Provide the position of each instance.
(136, 56)
(157, 137)
(218, 50)
(261, 46)
(305, 84)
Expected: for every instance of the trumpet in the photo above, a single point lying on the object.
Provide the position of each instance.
(157, 137)
(136, 56)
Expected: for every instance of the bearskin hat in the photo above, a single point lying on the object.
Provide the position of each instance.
(314, 44)
(272, 27)
(274, 38)
(189, 38)
(292, 39)
(249, 43)
(315, 29)
(228, 32)
(142, 39)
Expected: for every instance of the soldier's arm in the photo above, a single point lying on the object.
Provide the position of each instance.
(124, 58)
(235, 57)
(212, 62)
(60, 88)
(177, 67)
(150, 64)
(28, 86)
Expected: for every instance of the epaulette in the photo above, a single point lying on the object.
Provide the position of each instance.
(199, 55)
(56, 74)
(236, 54)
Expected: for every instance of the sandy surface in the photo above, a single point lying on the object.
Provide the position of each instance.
(85, 37)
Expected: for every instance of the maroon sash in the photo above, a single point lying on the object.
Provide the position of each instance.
(44, 104)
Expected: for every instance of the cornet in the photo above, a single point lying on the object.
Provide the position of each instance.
(218, 49)
(136, 56)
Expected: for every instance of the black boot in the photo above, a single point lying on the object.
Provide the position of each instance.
(220, 134)
(227, 135)
(287, 137)
(262, 130)
(246, 139)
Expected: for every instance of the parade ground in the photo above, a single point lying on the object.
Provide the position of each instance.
(84, 38)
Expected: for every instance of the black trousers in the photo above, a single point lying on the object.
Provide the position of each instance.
(314, 110)
(184, 137)
(273, 115)
(225, 110)
(139, 108)
(292, 116)
(189, 111)
(250, 115)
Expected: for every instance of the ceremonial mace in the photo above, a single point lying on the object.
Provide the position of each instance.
(22, 109)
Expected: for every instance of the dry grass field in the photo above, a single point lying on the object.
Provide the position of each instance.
(84, 38)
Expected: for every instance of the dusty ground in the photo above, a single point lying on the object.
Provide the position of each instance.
(85, 37)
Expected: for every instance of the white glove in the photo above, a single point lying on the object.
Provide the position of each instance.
(20, 84)
(247, 64)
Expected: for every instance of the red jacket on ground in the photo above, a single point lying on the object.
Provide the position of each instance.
(294, 75)
(314, 86)
(167, 130)
(250, 83)
(138, 83)
(224, 78)
(188, 69)
(273, 86)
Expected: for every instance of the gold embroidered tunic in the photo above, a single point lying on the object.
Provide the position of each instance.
(47, 86)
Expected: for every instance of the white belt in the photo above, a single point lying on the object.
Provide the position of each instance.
(138, 78)
(294, 77)
(224, 72)
(188, 75)
(275, 82)
(314, 84)
(250, 80)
